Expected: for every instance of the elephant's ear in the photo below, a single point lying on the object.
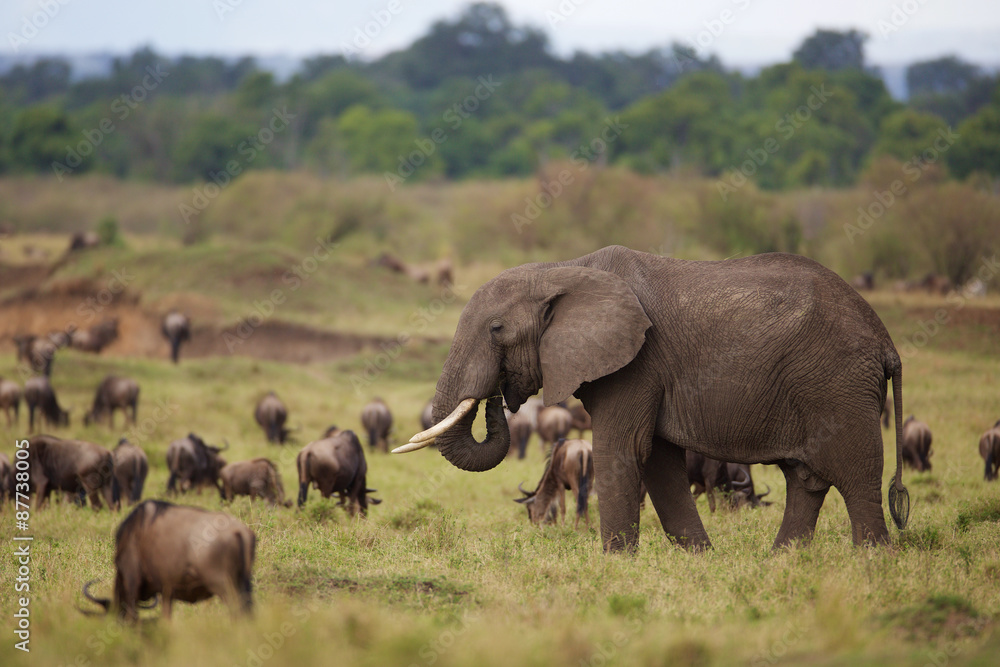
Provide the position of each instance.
(596, 325)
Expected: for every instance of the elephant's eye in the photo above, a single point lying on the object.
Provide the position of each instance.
(496, 327)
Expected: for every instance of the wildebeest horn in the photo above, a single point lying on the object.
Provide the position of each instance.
(766, 492)
(104, 602)
(225, 446)
(425, 438)
(152, 605)
(371, 490)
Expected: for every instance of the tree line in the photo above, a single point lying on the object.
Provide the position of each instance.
(478, 96)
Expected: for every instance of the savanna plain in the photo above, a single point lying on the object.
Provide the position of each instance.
(447, 570)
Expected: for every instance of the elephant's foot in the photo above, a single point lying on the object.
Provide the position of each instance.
(665, 476)
(867, 519)
(802, 506)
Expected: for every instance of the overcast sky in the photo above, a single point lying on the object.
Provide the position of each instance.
(746, 32)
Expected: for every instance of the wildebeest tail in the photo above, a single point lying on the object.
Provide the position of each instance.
(137, 481)
(116, 491)
(586, 472)
(302, 465)
(244, 581)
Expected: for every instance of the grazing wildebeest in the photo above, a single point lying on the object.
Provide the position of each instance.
(74, 466)
(706, 475)
(989, 449)
(257, 478)
(377, 422)
(427, 416)
(917, 444)
(193, 464)
(336, 465)
(97, 337)
(571, 467)
(743, 486)
(131, 468)
(38, 393)
(84, 240)
(114, 393)
(182, 553)
(6, 479)
(37, 352)
(271, 414)
(580, 419)
(554, 423)
(176, 328)
(10, 399)
(520, 431)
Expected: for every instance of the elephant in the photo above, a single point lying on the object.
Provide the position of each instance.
(770, 358)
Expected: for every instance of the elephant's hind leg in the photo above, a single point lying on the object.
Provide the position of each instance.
(803, 500)
(665, 476)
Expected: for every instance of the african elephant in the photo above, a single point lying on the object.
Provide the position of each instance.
(764, 359)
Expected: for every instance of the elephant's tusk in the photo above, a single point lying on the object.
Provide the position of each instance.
(425, 438)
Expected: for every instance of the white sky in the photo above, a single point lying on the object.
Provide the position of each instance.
(758, 31)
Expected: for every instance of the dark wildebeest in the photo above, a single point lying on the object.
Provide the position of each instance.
(519, 425)
(743, 486)
(10, 399)
(706, 475)
(271, 414)
(377, 422)
(74, 466)
(83, 241)
(37, 352)
(192, 463)
(336, 465)
(114, 393)
(176, 328)
(989, 449)
(97, 337)
(38, 393)
(554, 424)
(916, 444)
(131, 468)
(257, 478)
(427, 416)
(182, 553)
(571, 467)
(6, 479)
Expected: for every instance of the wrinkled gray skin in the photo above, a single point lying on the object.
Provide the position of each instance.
(376, 419)
(114, 393)
(764, 359)
(176, 328)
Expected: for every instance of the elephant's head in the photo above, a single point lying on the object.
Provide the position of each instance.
(533, 326)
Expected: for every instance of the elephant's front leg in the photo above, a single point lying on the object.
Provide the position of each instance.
(665, 474)
(617, 478)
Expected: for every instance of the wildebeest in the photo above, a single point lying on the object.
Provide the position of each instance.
(176, 328)
(916, 444)
(73, 466)
(6, 479)
(554, 423)
(182, 553)
(114, 393)
(38, 393)
(707, 475)
(743, 486)
(336, 465)
(519, 425)
(97, 337)
(10, 399)
(131, 468)
(193, 464)
(989, 449)
(84, 240)
(427, 416)
(271, 414)
(37, 352)
(377, 422)
(570, 467)
(257, 478)
(580, 419)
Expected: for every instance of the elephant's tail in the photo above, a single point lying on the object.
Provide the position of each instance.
(899, 497)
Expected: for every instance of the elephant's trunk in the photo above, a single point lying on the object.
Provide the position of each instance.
(463, 451)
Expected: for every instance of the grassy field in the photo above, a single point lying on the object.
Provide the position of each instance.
(447, 570)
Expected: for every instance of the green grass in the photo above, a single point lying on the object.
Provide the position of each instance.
(447, 570)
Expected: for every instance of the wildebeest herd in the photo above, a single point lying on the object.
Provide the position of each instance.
(189, 554)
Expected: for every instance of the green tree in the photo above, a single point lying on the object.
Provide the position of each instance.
(942, 76)
(832, 50)
(204, 151)
(379, 141)
(978, 147)
(43, 136)
(907, 133)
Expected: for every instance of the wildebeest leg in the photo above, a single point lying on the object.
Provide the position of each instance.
(802, 505)
(665, 476)
(42, 491)
(31, 417)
